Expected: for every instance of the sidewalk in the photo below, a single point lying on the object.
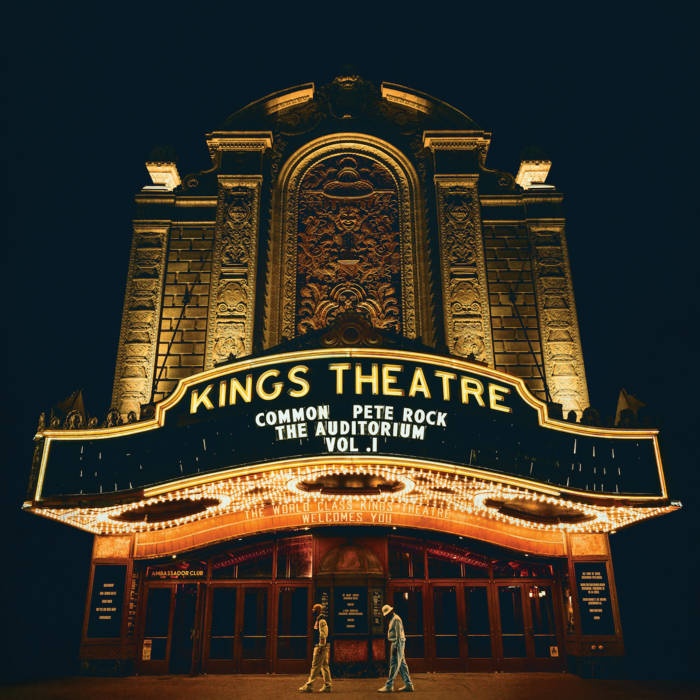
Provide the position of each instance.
(430, 686)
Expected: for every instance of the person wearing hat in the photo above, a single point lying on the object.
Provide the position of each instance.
(320, 663)
(397, 656)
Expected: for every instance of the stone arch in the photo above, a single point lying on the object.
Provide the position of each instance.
(356, 176)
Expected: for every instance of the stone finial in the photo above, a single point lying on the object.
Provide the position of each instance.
(533, 173)
(163, 175)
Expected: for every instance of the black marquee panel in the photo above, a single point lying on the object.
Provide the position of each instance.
(282, 408)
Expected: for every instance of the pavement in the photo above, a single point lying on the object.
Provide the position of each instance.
(430, 686)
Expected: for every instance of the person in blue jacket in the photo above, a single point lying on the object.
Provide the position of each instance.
(397, 656)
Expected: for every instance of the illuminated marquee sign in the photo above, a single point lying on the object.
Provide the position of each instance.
(355, 403)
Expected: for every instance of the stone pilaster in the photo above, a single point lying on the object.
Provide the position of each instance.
(561, 342)
(133, 377)
(231, 312)
(463, 268)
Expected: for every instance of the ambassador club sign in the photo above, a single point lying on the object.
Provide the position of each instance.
(357, 403)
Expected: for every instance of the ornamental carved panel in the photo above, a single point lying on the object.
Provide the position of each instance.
(349, 244)
(562, 353)
(233, 270)
(463, 269)
(138, 340)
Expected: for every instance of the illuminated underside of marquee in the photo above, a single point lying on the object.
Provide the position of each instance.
(412, 490)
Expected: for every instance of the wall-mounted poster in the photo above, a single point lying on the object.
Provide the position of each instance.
(350, 611)
(594, 598)
(107, 601)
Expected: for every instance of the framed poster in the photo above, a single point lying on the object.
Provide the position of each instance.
(107, 601)
(350, 610)
(594, 598)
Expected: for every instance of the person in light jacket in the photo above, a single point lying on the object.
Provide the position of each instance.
(397, 656)
(320, 663)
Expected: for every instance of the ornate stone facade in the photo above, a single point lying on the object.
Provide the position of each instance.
(348, 198)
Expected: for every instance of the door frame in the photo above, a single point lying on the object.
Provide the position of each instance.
(237, 663)
(529, 662)
(163, 666)
(291, 665)
(497, 662)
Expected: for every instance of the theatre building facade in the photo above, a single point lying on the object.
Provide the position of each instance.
(349, 372)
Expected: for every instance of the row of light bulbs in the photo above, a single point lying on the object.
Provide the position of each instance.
(459, 493)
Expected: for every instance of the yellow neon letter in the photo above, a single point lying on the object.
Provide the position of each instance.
(388, 379)
(475, 388)
(276, 386)
(197, 400)
(495, 398)
(301, 382)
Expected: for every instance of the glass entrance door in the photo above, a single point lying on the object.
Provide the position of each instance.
(460, 627)
(254, 630)
(238, 633)
(477, 628)
(446, 637)
(169, 631)
(408, 603)
(488, 626)
(293, 621)
(543, 624)
(528, 628)
(512, 629)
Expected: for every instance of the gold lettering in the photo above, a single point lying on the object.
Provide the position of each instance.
(276, 386)
(236, 389)
(197, 399)
(446, 377)
(301, 382)
(339, 368)
(419, 384)
(372, 379)
(388, 380)
(472, 387)
(495, 398)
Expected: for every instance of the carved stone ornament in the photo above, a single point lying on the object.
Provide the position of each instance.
(562, 354)
(348, 235)
(138, 345)
(349, 245)
(463, 268)
(233, 270)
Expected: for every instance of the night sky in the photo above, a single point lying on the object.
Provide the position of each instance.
(608, 97)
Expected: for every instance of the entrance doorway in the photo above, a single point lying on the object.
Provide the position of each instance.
(528, 629)
(479, 626)
(237, 638)
(250, 611)
(170, 629)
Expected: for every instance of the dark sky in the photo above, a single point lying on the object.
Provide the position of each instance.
(608, 96)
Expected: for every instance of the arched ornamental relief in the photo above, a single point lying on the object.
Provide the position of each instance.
(350, 238)
(349, 244)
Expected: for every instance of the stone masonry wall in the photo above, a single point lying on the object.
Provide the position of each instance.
(183, 326)
(509, 270)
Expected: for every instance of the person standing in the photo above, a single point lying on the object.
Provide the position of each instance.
(320, 663)
(397, 654)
